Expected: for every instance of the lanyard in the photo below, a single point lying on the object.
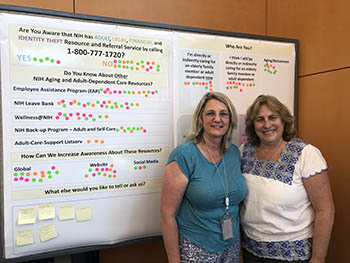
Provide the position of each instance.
(224, 183)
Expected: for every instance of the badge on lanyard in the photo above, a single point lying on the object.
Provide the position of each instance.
(226, 226)
(227, 223)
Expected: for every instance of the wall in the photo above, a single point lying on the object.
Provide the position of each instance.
(324, 76)
(322, 27)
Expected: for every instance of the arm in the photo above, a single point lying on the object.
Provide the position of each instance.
(320, 194)
(174, 186)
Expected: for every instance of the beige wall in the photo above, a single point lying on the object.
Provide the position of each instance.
(322, 27)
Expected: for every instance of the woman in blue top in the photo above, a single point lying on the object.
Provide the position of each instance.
(203, 187)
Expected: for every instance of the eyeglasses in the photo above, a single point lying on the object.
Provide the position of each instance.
(222, 114)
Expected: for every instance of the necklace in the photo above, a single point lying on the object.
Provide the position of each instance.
(227, 220)
(224, 183)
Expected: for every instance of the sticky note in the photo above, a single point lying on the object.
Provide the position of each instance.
(83, 213)
(47, 211)
(24, 237)
(26, 216)
(66, 212)
(47, 232)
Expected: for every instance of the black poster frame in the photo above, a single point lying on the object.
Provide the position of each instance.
(109, 20)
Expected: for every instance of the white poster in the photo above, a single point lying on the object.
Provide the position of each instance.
(87, 128)
(241, 68)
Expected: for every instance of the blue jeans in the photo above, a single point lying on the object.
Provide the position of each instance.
(250, 258)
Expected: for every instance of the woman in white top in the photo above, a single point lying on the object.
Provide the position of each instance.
(288, 213)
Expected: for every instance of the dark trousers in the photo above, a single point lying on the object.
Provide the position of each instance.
(250, 258)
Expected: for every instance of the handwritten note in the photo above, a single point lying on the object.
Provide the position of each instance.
(47, 211)
(24, 237)
(26, 216)
(47, 232)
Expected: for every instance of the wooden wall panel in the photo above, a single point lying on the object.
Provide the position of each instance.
(323, 120)
(244, 16)
(61, 5)
(321, 26)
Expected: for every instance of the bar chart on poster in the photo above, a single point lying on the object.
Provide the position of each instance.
(91, 110)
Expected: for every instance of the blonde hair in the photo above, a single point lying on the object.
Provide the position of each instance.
(196, 133)
(275, 106)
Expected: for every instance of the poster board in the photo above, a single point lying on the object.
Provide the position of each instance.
(91, 108)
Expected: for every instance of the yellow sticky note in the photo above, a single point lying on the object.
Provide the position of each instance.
(83, 213)
(24, 237)
(26, 216)
(47, 232)
(66, 212)
(47, 211)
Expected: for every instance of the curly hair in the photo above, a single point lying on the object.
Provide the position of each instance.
(275, 106)
(196, 133)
